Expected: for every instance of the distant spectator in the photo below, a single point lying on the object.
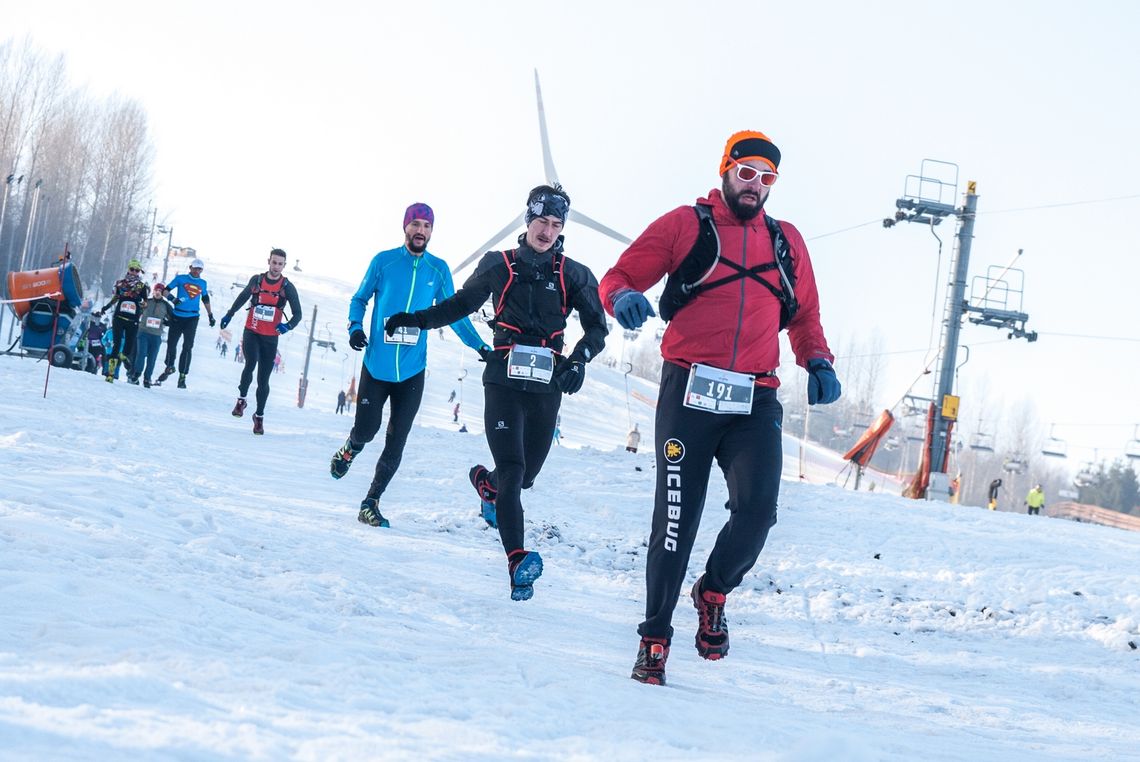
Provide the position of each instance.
(341, 399)
(995, 485)
(1035, 500)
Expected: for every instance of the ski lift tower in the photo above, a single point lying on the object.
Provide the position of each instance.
(928, 199)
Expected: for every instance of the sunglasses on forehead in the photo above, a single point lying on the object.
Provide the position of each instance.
(747, 174)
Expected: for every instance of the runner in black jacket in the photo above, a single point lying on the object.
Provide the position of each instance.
(533, 288)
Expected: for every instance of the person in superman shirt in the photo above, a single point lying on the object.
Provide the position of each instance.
(188, 294)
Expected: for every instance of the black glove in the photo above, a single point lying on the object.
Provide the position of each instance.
(358, 340)
(570, 374)
(485, 354)
(212, 321)
(403, 320)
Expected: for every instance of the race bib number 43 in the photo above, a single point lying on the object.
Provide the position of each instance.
(719, 391)
(531, 363)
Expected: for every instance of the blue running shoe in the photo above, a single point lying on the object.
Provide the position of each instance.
(524, 567)
(488, 513)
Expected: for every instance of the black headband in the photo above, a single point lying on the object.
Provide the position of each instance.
(756, 147)
(547, 205)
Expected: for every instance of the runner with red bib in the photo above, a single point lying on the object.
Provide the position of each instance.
(267, 293)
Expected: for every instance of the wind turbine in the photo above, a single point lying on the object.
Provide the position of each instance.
(551, 178)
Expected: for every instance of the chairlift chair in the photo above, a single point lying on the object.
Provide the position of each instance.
(1132, 449)
(1054, 447)
(1014, 465)
(982, 442)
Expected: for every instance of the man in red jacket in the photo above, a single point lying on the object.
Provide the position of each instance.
(736, 277)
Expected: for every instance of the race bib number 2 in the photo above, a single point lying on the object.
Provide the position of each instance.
(719, 391)
(264, 312)
(531, 363)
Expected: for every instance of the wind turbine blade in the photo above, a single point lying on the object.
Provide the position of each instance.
(547, 161)
(514, 225)
(582, 219)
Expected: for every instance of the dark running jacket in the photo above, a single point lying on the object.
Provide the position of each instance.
(533, 309)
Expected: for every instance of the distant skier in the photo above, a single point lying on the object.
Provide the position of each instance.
(451, 397)
(341, 398)
(268, 293)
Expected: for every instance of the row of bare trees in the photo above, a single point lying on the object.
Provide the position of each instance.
(75, 170)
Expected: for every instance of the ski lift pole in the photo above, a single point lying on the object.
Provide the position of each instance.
(303, 384)
(51, 345)
(628, 408)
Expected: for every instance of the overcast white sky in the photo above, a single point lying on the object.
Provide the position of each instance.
(281, 124)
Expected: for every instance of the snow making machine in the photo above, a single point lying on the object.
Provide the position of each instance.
(53, 315)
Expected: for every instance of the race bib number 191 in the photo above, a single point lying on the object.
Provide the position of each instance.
(531, 363)
(719, 391)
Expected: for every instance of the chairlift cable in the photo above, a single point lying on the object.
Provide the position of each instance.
(1063, 203)
(876, 221)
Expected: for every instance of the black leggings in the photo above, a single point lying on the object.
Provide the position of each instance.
(520, 432)
(123, 333)
(187, 328)
(404, 399)
(749, 450)
(259, 350)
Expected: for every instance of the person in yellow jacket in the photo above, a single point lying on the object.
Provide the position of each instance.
(1034, 500)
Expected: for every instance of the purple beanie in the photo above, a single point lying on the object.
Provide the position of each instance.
(419, 211)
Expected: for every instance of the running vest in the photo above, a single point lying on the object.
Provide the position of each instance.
(265, 303)
(682, 285)
(547, 311)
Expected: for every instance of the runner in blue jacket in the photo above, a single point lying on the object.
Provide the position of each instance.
(398, 280)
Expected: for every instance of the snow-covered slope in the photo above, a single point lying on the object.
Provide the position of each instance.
(172, 587)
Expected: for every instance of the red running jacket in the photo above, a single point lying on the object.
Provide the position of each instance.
(734, 326)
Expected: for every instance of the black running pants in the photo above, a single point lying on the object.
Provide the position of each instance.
(187, 328)
(259, 351)
(403, 398)
(520, 431)
(748, 449)
(123, 333)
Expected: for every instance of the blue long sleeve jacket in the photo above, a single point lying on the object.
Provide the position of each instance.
(399, 281)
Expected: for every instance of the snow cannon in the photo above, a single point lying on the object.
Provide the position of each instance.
(52, 296)
(60, 284)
